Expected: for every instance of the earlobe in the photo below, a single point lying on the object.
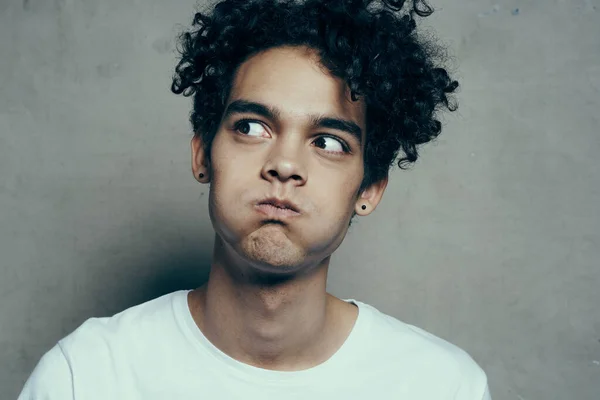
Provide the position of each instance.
(362, 209)
(370, 197)
(199, 167)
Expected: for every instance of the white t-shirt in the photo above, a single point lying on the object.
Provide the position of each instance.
(156, 351)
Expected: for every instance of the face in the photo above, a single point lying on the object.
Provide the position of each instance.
(290, 132)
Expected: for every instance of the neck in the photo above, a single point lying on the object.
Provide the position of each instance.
(293, 324)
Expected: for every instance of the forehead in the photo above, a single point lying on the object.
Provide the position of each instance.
(292, 80)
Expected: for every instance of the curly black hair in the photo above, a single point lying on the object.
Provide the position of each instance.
(372, 45)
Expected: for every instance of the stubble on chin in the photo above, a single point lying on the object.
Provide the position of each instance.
(271, 247)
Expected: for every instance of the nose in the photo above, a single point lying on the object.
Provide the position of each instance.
(284, 164)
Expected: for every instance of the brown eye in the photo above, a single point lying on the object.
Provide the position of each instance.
(331, 144)
(249, 128)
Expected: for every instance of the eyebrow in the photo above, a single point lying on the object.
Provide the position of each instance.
(318, 121)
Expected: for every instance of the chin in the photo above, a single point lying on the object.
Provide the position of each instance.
(272, 252)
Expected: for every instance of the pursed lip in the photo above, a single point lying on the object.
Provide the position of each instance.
(287, 206)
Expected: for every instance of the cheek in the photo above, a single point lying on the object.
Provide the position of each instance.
(336, 198)
(230, 169)
(229, 184)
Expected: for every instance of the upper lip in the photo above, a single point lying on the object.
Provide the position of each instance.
(281, 203)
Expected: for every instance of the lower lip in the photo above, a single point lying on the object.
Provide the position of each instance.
(273, 211)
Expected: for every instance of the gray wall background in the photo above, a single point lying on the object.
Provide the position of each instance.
(492, 241)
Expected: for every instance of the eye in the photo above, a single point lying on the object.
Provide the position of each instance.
(331, 144)
(249, 128)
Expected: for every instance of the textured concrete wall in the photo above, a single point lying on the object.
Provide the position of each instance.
(492, 241)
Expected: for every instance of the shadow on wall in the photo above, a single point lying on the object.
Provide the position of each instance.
(140, 262)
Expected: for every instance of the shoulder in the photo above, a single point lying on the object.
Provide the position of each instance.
(414, 349)
(50, 379)
(100, 336)
(472, 378)
(108, 344)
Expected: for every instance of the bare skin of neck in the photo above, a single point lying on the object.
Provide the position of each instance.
(291, 326)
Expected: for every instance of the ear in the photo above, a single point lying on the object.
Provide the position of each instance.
(200, 164)
(370, 197)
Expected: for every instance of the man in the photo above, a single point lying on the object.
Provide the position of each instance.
(300, 108)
